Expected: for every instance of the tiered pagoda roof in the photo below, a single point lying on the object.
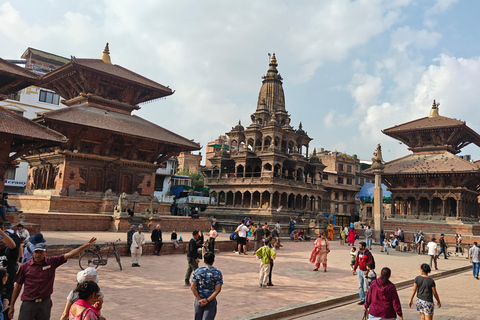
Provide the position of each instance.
(14, 78)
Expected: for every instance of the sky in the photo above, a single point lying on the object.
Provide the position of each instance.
(350, 68)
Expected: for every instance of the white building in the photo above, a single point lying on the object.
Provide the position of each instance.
(31, 102)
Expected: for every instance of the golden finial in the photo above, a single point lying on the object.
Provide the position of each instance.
(434, 111)
(273, 61)
(106, 55)
(314, 151)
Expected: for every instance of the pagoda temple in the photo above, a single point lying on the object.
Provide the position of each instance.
(433, 183)
(109, 151)
(265, 168)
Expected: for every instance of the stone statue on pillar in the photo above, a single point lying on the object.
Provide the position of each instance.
(378, 167)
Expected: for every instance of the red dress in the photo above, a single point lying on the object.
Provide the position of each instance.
(351, 236)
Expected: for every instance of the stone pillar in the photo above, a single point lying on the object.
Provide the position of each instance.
(241, 202)
(378, 200)
(251, 200)
(430, 207)
(233, 199)
(444, 204)
(417, 203)
(261, 200)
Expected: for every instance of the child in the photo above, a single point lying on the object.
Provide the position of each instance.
(370, 275)
(385, 245)
(265, 254)
(353, 256)
(173, 238)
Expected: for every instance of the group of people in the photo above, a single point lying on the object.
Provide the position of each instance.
(347, 235)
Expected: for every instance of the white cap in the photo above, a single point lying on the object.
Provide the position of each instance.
(88, 274)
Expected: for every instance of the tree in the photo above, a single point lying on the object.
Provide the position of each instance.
(197, 178)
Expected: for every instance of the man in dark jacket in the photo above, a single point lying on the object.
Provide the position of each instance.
(157, 239)
(443, 247)
(129, 237)
(258, 238)
(363, 257)
(192, 257)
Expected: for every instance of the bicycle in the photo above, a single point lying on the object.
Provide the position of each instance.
(94, 258)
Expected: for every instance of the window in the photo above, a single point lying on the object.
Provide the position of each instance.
(336, 196)
(336, 208)
(345, 195)
(159, 182)
(349, 181)
(340, 180)
(10, 175)
(48, 97)
(340, 167)
(325, 177)
(369, 212)
(349, 168)
(345, 208)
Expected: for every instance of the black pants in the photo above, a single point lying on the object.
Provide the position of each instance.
(270, 274)
(158, 246)
(35, 310)
(211, 245)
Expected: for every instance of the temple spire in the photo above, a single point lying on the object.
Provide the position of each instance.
(106, 55)
(273, 61)
(434, 111)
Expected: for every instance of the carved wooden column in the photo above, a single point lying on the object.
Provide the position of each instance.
(233, 199)
(459, 203)
(241, 203)
(444, 204)
(430, 206)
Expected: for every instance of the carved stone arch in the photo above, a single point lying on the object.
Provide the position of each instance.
(451, 195)
(436, 194)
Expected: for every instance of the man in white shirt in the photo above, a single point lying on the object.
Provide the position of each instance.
(138, 240)
(242, 238)
(474, 257)
(432, 252)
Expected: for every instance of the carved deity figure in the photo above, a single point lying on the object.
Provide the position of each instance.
(378, 154)
(153, 208)
(122, 205)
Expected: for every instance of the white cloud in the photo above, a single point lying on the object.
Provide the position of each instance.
(439, 7)
(404, 37)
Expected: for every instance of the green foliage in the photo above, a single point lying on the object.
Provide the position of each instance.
(197, 178)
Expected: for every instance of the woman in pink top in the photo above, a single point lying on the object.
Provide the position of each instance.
(382, 299)
(83, 309)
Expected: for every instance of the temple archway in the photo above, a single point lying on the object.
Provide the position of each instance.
(247, 199)
(256, 199)
(229, 199)
(238, 199)
(257, 172)
(221, 198)
(265, 200)
(275, 200)
(291, 201)
(424, 206)
(240, 170)
(298, 202)
(437, 204)
(284, 200)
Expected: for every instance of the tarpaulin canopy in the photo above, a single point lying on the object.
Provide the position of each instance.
(367, 192)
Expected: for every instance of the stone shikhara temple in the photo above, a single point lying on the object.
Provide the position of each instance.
(109, 151)
(266, 168)
(433, 189)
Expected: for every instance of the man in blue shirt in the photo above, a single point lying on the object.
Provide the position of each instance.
(206, 285)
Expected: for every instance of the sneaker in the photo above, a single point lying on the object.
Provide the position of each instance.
(236, 252)
(270, 284)
(361, 303)
(186, 284)
(265, 287)
(261, 285)
(133, 265)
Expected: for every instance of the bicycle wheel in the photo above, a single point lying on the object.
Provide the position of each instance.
(117, 256)
(87, 259)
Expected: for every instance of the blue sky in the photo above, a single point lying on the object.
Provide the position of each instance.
(350, 68)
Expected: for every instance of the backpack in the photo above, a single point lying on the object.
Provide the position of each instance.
(373, 261)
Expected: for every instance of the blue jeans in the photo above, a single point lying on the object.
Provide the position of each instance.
(361, 285)
(2, 213)
(207, 312)
(442, 250)
(369, 243)
(476, 267)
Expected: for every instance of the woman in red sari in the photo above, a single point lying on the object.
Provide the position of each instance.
(351, 236)
(321, 248)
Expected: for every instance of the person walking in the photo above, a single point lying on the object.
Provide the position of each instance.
(129, 237)
(192, 257)
(37, 276)
(368, 237)
(212, 235)
(382, 240)
(321, 248)
(458, 244)
(425, 288)
(432, 252)
(83, 308)
(156, 238)
(343, 235)
(351, 236)
(382, 299)
(258, 236)
(265, 254)
(206, 285)
(443, 247)
(241, 231)
(364, 256)
(138, 240)
(420, 243)
(330, 232)
(474, 258)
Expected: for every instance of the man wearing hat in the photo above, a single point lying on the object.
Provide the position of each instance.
(130, 236)
(138, 240)
(37, 276)
(30, 244)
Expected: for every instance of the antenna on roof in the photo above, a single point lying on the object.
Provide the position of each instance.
(269, 57)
